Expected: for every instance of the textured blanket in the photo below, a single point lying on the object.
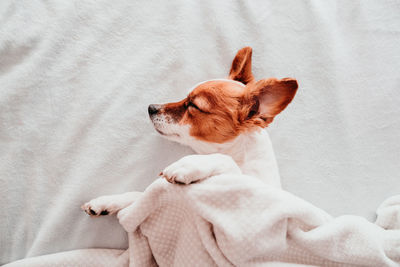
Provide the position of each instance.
(232, 220)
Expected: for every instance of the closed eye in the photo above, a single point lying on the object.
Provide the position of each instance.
(193, 105)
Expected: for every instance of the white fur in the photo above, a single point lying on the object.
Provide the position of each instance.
(111, 203)
(223, 80)
(194, 168)
(252, 152)
(172, 130)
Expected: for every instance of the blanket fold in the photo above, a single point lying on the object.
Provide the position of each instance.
(231, 220)
(240, 221)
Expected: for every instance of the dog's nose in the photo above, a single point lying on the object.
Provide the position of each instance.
(153, 109)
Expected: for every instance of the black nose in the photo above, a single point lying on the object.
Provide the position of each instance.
(153, 109)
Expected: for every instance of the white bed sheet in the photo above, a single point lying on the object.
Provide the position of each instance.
(76, 78)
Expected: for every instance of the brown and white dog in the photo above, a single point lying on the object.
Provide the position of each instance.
(223, 121)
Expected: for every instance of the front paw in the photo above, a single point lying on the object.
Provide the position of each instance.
(99, 206)
(193, 168)
(185, 171)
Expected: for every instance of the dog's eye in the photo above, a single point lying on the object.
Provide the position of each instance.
(193, 105)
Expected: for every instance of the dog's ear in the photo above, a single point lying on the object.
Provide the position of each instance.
(265, 99)
(241, 66)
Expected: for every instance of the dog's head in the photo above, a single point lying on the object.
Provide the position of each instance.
(217, 111)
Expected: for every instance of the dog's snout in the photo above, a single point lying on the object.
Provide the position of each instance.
(153, 109)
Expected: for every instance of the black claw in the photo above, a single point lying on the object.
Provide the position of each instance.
(92, 212)
(104, 212)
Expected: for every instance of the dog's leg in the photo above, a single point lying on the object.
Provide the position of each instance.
(193, 168)
(111, 204)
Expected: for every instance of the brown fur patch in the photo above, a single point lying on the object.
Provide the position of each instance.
(270, 96)
(226, 109)
(241, 66)
(218, 121)
(174, 110)
(218, 111)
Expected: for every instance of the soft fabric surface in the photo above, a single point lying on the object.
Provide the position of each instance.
(76, 78)
(237, 220)
(240, 221)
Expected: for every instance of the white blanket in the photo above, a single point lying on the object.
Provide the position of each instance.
(76, 78)
(238, 220)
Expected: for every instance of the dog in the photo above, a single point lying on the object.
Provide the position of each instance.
(222, 120)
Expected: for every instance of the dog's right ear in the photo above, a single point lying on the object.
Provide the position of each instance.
(241, 66)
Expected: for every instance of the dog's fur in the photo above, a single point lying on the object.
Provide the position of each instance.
(222, 120)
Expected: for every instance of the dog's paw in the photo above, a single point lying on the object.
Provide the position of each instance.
(110, 204)
(100, 206)
(184, 171)
(194, 168)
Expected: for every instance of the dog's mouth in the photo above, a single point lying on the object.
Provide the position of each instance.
(166, 134)
(160, 123)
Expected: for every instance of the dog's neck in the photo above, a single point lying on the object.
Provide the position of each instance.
(253, 153)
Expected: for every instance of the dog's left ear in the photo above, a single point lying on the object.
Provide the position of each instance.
(265, 99)
(241, 66)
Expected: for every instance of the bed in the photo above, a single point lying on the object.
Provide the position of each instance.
(76, 78)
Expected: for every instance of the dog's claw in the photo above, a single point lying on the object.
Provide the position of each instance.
(168, 178)
(171, 179)
(104, 212)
